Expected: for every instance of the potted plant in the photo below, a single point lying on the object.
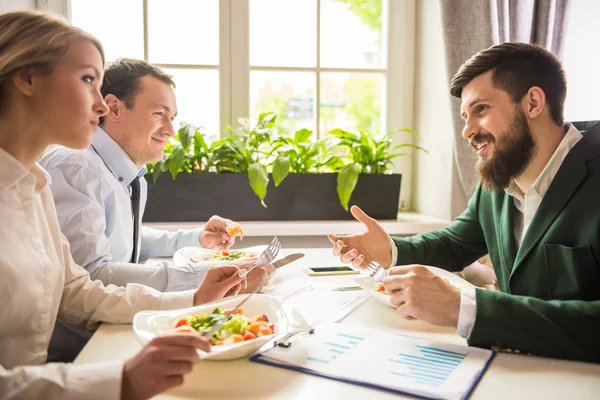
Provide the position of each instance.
(294, 177)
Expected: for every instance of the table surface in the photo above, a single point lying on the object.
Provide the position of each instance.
(509, 376)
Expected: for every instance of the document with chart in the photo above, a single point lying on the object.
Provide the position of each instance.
(403, 364)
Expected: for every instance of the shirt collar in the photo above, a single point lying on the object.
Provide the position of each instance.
(115, 158)
(13, 172)
(542, 182)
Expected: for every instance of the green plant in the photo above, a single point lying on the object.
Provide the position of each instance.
(245, 150)
(366, 155)
(186, 152)
(300, 155)
(258, 150)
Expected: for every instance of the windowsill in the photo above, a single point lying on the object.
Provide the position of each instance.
(408, 223)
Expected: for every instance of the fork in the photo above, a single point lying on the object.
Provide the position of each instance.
(376, 271)
(265, 257)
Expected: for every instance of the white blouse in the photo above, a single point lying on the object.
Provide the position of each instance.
(38, 281)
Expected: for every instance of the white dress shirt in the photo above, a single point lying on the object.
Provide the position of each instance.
(91, 189)
(39, 281)
(526, 205)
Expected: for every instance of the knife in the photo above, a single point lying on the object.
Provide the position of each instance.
(287, 259)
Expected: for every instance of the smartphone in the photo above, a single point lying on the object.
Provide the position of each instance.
(334, 270)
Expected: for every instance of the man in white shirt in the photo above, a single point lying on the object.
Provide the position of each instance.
(94, 190)
(535, 213)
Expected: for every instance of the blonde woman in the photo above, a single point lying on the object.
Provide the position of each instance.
(50, 75)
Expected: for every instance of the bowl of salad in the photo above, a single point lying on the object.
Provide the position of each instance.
(261, 319)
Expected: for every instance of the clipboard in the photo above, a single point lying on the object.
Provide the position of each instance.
(406, 365)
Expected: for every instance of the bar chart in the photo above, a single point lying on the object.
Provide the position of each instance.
(432, 366)
(337, 346)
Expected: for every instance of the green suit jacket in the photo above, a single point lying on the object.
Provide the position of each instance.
(549, 302)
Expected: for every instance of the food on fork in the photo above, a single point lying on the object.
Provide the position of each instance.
(234, 229)
(239, 328)
(378, 287)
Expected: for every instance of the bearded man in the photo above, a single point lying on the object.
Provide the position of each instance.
(535, 212)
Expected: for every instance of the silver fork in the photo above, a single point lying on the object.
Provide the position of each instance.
(265, 257)
(376, 271)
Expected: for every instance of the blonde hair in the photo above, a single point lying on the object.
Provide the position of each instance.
(35, 39)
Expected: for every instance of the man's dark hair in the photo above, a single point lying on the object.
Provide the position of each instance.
(517, 67)
(122, 79)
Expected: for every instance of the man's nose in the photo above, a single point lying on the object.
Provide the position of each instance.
(170, 129)
(469, 130)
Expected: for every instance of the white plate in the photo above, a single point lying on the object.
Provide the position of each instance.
(368, 283)
(149, 324)
(182, 256)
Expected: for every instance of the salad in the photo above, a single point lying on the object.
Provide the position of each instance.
(226, 256)
(238, 328)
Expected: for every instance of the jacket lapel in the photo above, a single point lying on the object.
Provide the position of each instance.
(568, 178)
(506, 238)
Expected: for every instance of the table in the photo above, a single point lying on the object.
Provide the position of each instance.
(509, 376)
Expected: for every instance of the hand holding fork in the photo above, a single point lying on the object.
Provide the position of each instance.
(265, 257)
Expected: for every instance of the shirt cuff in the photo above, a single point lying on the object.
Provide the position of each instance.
(175, 300)
(183, 277)
(98, 380)
(394, 253)
(467, 312)
(190, 237)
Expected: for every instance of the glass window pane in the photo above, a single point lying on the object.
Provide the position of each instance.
(197, 99)
(283, 33)
(183, 32)
(121, 33)
(581, 64)
(351, 34)
(351, 101)
(289, 94)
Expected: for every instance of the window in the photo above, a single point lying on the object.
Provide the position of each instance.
(581, 60)
(318, 64)
(180, 36)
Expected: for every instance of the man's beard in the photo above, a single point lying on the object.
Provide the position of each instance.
(512, 153)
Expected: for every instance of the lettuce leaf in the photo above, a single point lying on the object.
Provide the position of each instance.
(236, 325)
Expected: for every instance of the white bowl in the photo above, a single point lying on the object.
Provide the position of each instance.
(183, 256)
(149, 324)
(368, 283)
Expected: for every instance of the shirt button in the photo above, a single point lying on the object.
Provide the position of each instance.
(120, 179)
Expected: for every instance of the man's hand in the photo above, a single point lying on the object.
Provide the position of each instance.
(362, 248)
(420, 294)
(161, 365)
(214, 234)
(220, 281)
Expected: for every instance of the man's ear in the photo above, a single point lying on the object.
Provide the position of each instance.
(534, 102)
(24, 80)
(115, 107)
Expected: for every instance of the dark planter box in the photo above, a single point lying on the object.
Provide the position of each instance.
(196, 197)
